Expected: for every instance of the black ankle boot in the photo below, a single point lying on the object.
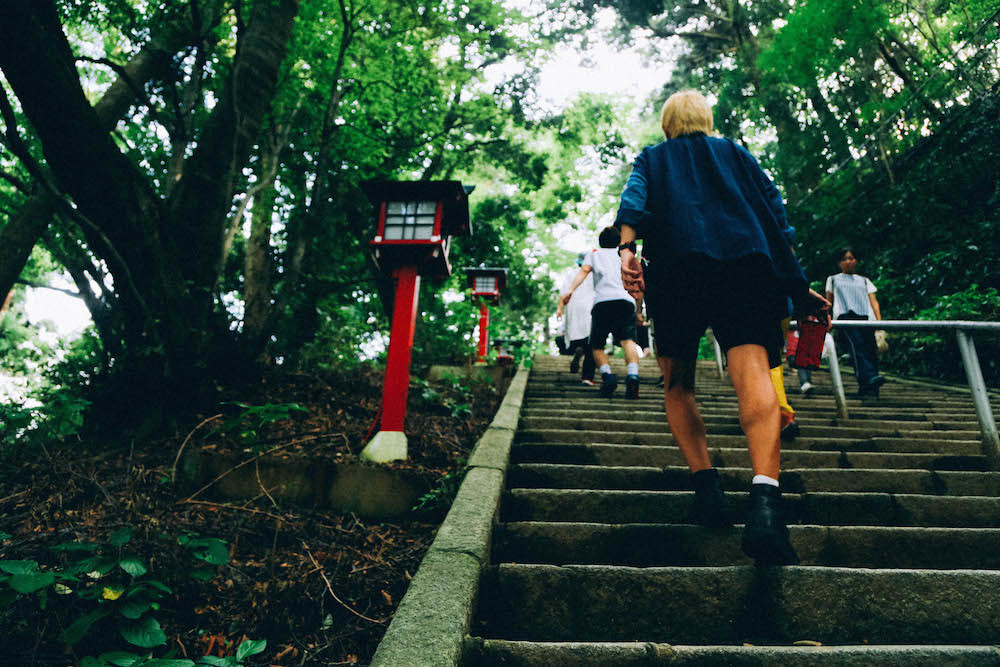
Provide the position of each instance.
(710, 509)
(765, 536)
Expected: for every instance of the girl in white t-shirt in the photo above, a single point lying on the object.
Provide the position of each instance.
(853, 298)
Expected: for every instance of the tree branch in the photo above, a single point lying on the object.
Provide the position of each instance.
(15, 181)
(15, 143)
(37, 285)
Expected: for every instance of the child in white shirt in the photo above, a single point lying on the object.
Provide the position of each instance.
(613, 312)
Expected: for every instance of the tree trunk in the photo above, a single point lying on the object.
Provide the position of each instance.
(164, 259)
(26, 227)
(257, 286)
(198, 207)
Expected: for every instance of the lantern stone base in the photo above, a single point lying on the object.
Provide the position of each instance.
(385, 446)
(370, 491)
(498, 375)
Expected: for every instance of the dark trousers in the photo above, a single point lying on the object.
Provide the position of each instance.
(587, 372)
(863, 350)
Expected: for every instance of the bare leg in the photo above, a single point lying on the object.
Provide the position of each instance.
(631, 351)
(758, 405)
(682, 412)
(600, 357)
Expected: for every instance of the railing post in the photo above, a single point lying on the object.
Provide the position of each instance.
(836, 379)
(718, 354)
(974, 373)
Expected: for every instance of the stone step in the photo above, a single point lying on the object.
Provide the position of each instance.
(491, 652)
(730, 415)
(821, 508)
(727, 403)
(721, 605)
(647, 455)
(731, 426)
(804, 418)
(651, 545)
(793, 480)
(649, 394)
(624, 437)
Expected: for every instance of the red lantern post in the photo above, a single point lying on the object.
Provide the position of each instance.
(484, 333)
(416, 220)
(486, 282)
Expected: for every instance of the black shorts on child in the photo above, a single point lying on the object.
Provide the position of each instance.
(739, 300)
(612, 317)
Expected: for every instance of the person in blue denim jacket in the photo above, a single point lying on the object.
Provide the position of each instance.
(719, 254)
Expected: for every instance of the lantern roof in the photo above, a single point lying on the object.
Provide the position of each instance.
(452, 194)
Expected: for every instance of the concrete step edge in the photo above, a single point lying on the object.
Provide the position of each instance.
(489, 652)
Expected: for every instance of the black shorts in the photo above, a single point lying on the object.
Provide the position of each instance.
(739, 299)
(611, 317)
(642, 336)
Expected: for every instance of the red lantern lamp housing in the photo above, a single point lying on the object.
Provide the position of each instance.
(487, 282)
(416, 222)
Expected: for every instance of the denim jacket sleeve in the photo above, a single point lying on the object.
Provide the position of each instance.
(632, 208)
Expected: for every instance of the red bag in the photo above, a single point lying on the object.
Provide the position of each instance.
(792, 344)
(812, 335)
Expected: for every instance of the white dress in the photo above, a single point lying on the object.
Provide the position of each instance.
(577, 312)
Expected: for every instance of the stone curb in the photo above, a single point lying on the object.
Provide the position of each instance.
(647, 654)
(493, 449)
(433, 619)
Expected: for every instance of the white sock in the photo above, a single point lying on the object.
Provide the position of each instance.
(633, 369)
(605, 368)
(764, 479)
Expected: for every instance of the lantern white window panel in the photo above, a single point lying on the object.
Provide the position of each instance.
(485, 284)
(411, 220)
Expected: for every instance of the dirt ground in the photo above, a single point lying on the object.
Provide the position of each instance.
(320, 587)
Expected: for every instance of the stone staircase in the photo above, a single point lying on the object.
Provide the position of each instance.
(893, 513)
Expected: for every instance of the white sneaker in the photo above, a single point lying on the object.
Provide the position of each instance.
(805, 388)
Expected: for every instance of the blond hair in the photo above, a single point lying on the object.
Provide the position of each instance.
(685, 112)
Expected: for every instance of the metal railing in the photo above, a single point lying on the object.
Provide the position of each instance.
(970, 360)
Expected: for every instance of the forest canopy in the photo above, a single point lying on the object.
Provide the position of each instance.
(192, 169)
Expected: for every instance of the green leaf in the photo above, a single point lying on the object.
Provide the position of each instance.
(202, 574)
(91, 661)
(119, 658)
(80, 626)
(73, 572)
(211, 550)
(250, 647)
(157, 584)
(216, 662)
(133, 609)
(169, 662)
(145, 633)
(74, 546)
(18, 566)
(121, 537)
(31, 581)
(4, 536)
(103, 567)
(133, 565)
